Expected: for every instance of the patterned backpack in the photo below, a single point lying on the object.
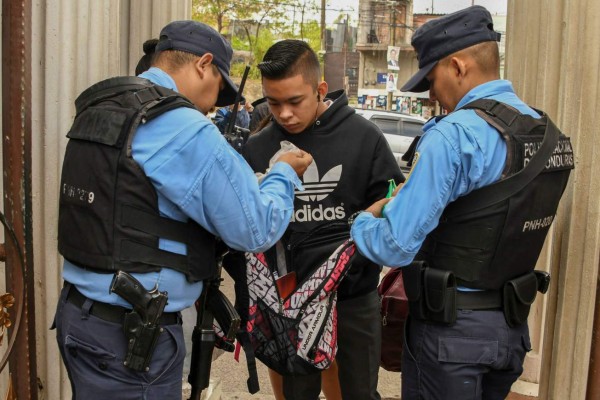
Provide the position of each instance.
(296, 334)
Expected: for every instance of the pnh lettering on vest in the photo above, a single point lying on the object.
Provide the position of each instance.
(539, 223)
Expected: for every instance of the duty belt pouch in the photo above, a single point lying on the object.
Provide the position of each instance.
(413, 285)
(519, 293)
(440, 295)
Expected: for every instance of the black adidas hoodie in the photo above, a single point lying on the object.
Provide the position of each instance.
(352, 165)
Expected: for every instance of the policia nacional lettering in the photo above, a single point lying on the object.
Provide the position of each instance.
(562, 156)
(491, 238)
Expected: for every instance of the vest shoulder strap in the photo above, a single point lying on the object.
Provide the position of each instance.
(116, 106)
(504, 118)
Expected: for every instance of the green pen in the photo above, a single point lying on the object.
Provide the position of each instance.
(391, 189)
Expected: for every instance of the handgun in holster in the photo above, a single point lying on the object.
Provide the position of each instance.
(141, 325)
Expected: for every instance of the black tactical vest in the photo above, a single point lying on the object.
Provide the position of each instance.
(496, 233)
(108, 210)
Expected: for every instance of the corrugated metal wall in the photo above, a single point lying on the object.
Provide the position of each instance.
(75, 44)
(552, 58)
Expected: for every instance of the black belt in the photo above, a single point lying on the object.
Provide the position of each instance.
(479, 300)
(113, 313)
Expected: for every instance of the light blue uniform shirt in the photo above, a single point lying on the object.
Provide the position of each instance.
(456, 155)
(198, 175)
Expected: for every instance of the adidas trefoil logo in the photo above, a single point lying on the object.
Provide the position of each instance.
(315, 189)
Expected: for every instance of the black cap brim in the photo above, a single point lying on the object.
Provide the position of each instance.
(419, 83)
(227, 95)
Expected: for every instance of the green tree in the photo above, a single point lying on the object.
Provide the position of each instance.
(247, 16)
(254, 25)
(215, 12)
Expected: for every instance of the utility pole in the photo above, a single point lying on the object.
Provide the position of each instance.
(323, 36)
(390, 96)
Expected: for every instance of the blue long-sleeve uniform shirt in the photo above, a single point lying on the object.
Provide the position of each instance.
(456, 155)
(198, 175)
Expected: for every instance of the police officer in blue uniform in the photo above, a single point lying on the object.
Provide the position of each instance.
(148, 184)
(471, 219)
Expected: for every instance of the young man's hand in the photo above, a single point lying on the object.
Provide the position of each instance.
(297, 159)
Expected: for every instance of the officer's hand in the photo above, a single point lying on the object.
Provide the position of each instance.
(297, 159)
(376, 207)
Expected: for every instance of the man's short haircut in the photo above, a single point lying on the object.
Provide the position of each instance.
(289, 58)
(173, 59)
(485, 54)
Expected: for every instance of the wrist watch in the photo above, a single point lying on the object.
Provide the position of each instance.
(352, 217)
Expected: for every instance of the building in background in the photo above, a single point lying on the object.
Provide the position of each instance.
(341, 60)
(385, 26)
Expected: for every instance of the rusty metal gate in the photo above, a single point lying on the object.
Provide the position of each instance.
(18, 340)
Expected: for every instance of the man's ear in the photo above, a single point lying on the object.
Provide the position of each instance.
(203, 64)
(322, 90)
(458, 66)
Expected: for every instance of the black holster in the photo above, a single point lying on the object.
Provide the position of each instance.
(431, 293)
(518, 294)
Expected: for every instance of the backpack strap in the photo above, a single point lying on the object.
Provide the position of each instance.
(252, 382)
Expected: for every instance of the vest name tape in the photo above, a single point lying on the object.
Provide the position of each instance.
(76, 193)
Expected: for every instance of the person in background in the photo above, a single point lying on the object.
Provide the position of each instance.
(151, 200)
(242, 119)
(467, 253)
(352, 166)
(145, 62)
(259, 114)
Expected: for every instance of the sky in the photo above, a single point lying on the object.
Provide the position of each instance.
(335, 7)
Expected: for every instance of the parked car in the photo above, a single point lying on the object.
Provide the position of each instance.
(399, 130)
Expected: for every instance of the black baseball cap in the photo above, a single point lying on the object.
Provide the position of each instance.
(443, 36)
(198, 38)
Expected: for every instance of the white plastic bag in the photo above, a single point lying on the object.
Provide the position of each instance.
(285, 147)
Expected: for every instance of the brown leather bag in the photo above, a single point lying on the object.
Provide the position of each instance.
(394, 311)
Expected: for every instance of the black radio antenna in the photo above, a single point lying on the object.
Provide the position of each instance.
(238, 96)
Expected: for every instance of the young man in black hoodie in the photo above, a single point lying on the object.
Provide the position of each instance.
(351, 168)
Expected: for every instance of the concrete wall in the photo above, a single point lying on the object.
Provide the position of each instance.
(552, 57)
(75, 44)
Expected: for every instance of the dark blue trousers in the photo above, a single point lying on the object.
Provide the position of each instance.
(479, 357)
(93, 351)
